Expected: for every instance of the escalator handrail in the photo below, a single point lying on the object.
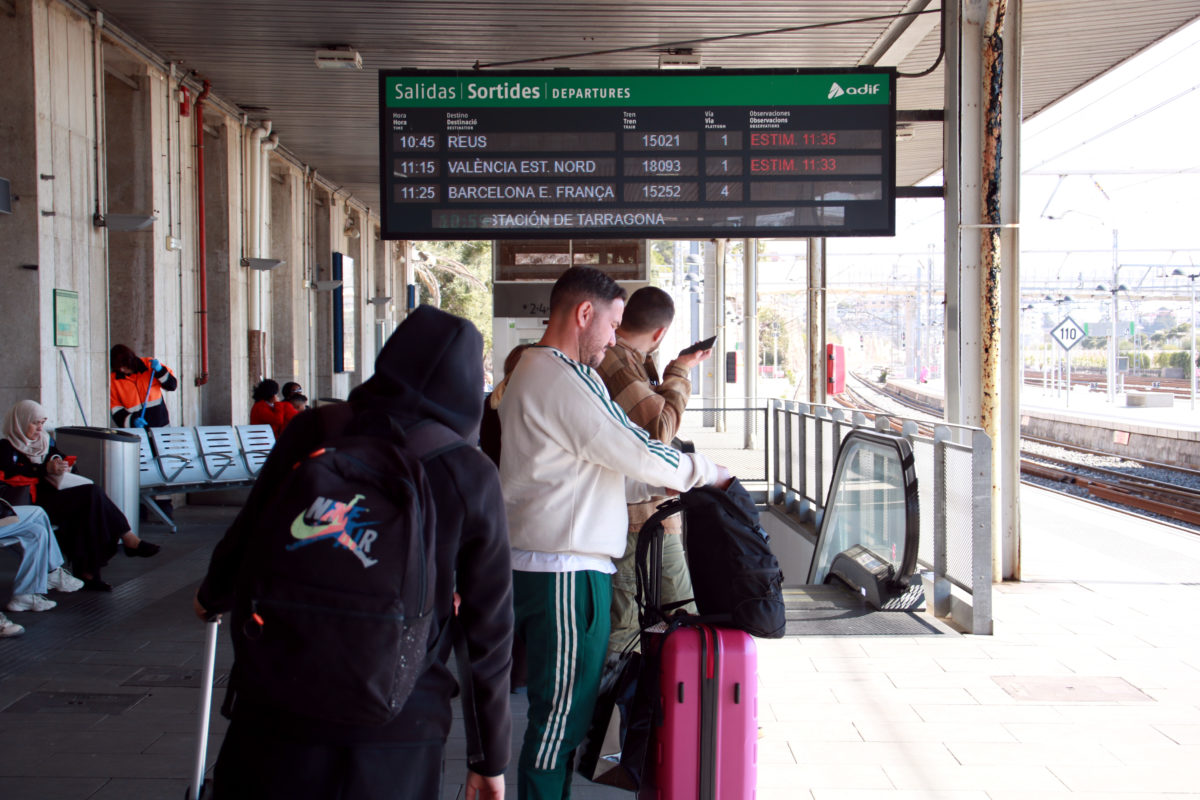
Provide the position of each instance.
(912, 508)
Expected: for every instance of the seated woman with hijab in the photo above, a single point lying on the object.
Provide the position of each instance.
(89, 524)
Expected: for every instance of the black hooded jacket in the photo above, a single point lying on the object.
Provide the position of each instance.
(431, 367)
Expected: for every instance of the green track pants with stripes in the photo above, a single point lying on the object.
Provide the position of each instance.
(564, 619)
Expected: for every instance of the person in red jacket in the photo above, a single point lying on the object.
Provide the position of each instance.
(135, 391)
(268, 409)
(293, 400)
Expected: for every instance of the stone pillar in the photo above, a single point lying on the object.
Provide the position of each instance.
(21, 325)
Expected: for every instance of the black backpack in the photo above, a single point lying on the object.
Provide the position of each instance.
(336, 601)
(736, 579)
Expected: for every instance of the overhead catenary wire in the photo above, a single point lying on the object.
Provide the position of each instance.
(666, 46)
(1107, 96)
(1116, 127)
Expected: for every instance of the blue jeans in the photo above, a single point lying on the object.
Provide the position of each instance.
(40, 553)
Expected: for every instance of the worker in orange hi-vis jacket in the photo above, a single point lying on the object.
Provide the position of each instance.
(136, 387)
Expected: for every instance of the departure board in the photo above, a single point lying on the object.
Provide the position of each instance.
(676, 154)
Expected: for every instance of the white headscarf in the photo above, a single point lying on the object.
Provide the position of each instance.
(15, 423)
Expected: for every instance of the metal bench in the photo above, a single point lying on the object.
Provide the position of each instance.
(203, 459)
(257, 441)
(221, 453)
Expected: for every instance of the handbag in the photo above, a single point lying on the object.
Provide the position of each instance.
(18, 490)
(8, 514)
(618, 738)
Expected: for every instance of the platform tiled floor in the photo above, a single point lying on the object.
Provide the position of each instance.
(1089, 688)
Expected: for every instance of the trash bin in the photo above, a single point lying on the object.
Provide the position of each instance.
(110, 458)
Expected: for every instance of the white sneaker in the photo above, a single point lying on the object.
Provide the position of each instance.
(30, 602)
(64, 581)
(9, 628)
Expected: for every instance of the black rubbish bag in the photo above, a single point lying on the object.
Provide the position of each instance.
(618, 739)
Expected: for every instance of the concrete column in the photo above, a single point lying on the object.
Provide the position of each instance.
(382, 315)
(287, 308)
(982, 294)
(132, 282)
(963, 210)
(359, 324)
(816, 321)
(48, 243)
(1011, 367)
(322, 301)
(21, 322)
(217, 395)
(750, 335)
(714, 302)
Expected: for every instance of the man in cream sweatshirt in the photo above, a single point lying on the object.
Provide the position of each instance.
(570, 461)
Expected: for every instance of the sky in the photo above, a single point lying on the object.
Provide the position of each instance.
(1122, 154)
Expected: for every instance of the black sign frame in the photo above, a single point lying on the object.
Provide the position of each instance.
(504, 163)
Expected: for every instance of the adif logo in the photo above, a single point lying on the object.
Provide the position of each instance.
(837, 91)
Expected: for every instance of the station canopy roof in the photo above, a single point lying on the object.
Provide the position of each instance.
(259, 56)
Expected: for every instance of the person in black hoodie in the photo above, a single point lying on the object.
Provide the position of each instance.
(430, 368)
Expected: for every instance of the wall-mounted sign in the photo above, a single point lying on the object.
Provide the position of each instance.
(66, 318)
(786, 153)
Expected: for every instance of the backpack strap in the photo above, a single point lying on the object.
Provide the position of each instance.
(430, 438)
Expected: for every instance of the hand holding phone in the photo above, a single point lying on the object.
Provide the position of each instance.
(703, 344)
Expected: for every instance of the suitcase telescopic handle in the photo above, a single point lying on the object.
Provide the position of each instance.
(648, 562)
(212, 629)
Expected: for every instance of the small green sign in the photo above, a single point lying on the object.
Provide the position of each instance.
(675, 89)
(66, 318)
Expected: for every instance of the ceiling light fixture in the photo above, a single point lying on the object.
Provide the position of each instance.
(124, 223)
(264, 264)
(338, 58)
(679, 58)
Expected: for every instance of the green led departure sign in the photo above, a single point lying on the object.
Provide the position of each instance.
(637, 155)
(422, 90)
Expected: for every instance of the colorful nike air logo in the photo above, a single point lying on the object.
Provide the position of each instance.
(339, 521)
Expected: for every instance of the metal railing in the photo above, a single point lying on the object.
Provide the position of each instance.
(733, 436)
(954, 474)
(788, 450)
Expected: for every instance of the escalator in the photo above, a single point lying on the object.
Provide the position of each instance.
(863, 579)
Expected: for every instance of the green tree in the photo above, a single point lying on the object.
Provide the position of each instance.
(773, 337)
(457, 277)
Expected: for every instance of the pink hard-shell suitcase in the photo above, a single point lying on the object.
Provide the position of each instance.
(707, 745)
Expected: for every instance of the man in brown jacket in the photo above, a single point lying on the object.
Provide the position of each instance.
(657, 406)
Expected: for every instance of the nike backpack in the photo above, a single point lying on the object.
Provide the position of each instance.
(736, 578)
(336, 602)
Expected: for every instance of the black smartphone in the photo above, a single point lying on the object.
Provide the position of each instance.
(703, 344)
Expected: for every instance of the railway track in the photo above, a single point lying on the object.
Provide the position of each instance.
(1172, 496)
(1179, 388)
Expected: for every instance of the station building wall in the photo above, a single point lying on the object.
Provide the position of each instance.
(92, 126)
